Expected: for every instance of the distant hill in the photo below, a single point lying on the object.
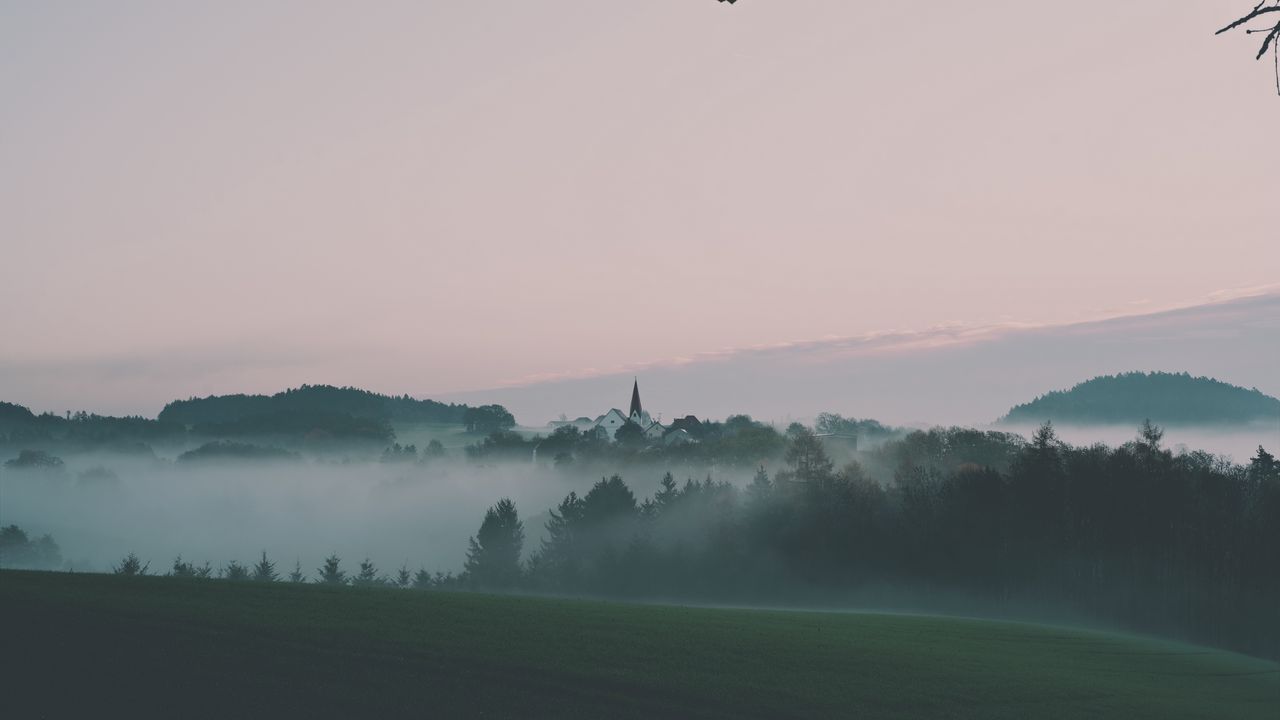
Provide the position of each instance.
(310, 400)
(1164, 398)
(314, 413)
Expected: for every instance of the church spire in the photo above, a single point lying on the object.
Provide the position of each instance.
(636, 410)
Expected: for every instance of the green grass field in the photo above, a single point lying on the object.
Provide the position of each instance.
(106, 646)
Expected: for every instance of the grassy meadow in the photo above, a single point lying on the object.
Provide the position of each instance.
(86, 645)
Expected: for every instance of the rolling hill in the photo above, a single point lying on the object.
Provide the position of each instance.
(1163, 398)
(87, 645)
(309, 400)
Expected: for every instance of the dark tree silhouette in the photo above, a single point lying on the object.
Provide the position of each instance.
(330, 574)
(488, 418)
(235, 572)
(493, 558)
(265, 570)
(1184, 544)
(182, 569)
(629, 434)
(17, 550)
(422, 580)
(131, 566)
(368, 575)
(1267, 13)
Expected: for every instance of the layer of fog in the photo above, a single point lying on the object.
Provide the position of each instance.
(411, 514)
(1238, 443)
(417, 515)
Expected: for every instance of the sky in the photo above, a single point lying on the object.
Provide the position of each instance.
(439, 197)
(947, 375)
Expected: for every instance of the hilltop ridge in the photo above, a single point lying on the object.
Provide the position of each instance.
(1162, 397)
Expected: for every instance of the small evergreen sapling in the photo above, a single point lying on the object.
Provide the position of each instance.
(330, 573)
(235, 572)
(265, 570)
(131, 566)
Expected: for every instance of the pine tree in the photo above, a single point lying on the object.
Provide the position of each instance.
(235, 571)
(668, 494)
(131, 566)
(296, 576)
(330, 574)
(760, 489)
(422, 580)
(493, 556)
(368, 575)
(265, 570)
(182, 569)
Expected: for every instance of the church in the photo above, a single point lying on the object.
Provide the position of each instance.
(608, 423)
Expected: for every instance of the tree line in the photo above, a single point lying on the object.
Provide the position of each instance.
(320, 417)
(1184, 545)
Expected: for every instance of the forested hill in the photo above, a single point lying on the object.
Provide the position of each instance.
(310, 399)
(1164, 398)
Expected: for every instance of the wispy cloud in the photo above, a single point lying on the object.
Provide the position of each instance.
(892, 342)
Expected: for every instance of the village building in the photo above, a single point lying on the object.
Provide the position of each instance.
(609, 423)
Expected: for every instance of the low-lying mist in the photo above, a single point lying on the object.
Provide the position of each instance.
(1237, 442)
(1140, 534)
(419, 515)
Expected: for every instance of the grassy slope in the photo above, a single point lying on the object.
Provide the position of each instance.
(159, 647)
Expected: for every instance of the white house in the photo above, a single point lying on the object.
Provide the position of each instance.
(611, 421)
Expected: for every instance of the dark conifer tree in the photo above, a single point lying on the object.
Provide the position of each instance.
(330, 573)
(493, 558)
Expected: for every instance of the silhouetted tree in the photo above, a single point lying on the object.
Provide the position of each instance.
(182, 569)
(488, 418)
(330, 573)
(493, 558)
(761, 488)
(1263, 467)
(809, 462)
(630, 435)
(368, 575)
(131, 566)
(235, 572)
(18, 551)
(665, 497)
(296, 575)
(265, 570)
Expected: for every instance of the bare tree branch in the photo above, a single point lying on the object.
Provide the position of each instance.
(1257, 12)
(1272, 39)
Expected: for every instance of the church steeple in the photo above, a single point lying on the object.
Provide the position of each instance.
(636, 410)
